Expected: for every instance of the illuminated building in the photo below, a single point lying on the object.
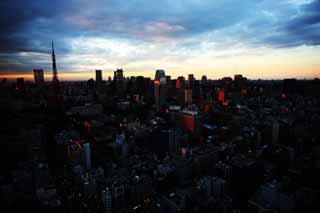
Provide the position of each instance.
(87, 154)
(221, 95)
(187, 96)
(244, 92)
(160, 92)
(159, 74)
(180, 90)
(98, 77)
(157, 92)
(38, 77)
(190, 121)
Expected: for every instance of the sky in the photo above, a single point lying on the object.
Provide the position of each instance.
(267, 39)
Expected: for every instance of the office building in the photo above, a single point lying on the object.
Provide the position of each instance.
(38, 77)
(87, 155)
(20, 83)
(118, 75)
(188, 96)
(98, 77)
(159, 74)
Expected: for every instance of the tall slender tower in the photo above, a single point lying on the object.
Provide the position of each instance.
(54, 67)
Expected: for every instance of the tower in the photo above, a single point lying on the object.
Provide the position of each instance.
(54, 67)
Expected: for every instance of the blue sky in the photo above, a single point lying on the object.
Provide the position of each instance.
(268, 38)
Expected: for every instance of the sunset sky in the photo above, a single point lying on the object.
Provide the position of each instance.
(258, 38)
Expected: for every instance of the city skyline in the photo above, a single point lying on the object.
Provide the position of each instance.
(259, 39)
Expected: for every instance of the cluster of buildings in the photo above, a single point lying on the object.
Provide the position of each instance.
(161, 145)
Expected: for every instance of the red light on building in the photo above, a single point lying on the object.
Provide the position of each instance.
(206, 108)
(221, 95)
(86, 126)
(78, 145)
(286, 109)
(244, 92)
(156, 82)
(167, 110)
(189, 123)
(283, 95)
(178, 84)
(225, 103)
(137, 98)
(184, 151)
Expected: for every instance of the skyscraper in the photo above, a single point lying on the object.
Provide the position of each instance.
(188, 96)
(191, 80)
(98, 77)
(118, 75)
(54, 67)
(20, 83)
(159, 74)
(38, 77)
(107, 200)
(87, 154)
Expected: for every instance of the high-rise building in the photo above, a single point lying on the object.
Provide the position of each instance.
(38, 77)
(54, 67)
(237, 77)
(188, 96)
(159, 74)
(160, 91)
(191, 80)
(98, 77)
(221, 95)
(87, 154)
(106, 200)
(20, 83)
(118, 75)
(204, 80)
(157, 92)
(275, 132)
(189, 121)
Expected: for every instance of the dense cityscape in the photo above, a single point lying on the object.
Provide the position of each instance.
(136, 144)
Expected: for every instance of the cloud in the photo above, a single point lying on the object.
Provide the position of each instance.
(111, 32)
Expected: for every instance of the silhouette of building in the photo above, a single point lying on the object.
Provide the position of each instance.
(159, 74)
(118, 75)
(188, 96)
(191, 80)
(38, 77)
(20, 83)
(98, 77)
(55, 79)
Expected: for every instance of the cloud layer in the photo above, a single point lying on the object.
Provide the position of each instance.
(143, 35)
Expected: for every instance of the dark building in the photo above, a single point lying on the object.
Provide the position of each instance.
(98, 77)
(159, 74)
(118, 75)
(20, 83)
(38, 77)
